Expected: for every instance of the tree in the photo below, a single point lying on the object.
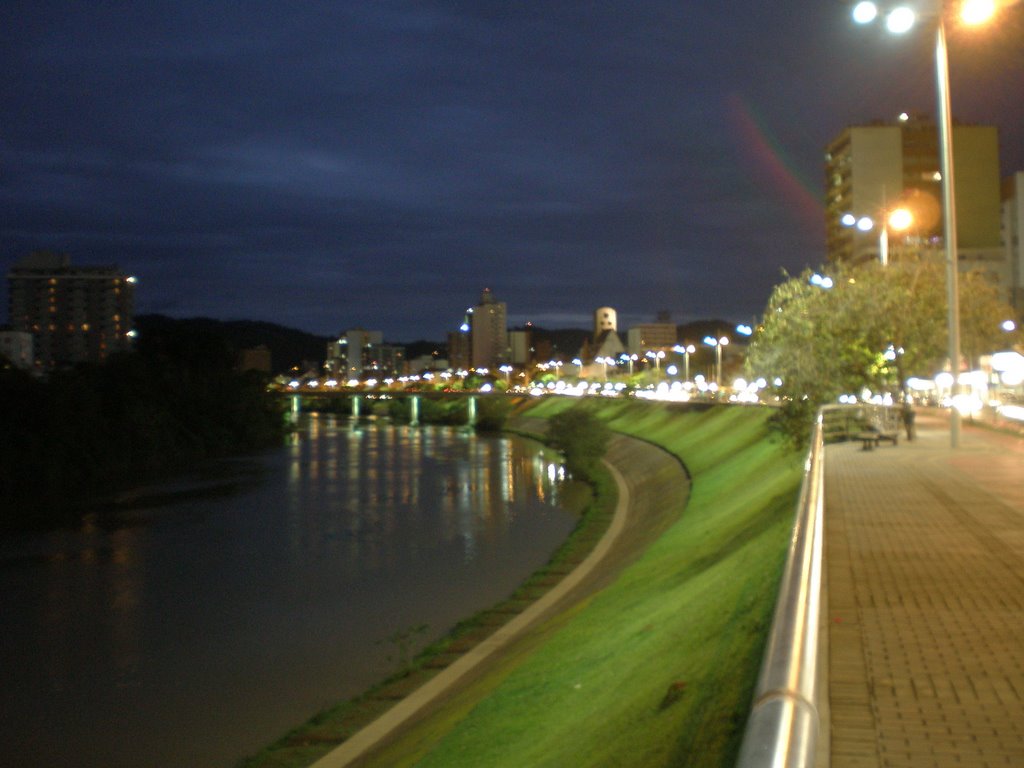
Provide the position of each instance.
(581, 437)
(874, 328)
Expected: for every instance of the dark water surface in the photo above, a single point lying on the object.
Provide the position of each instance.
(203, 621)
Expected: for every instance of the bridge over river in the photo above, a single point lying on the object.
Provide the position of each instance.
(360, 401)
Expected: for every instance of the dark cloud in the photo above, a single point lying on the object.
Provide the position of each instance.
(327, 165)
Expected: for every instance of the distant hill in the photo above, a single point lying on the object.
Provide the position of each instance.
(288, 347)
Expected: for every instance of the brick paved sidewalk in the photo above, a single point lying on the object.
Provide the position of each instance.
(924, 553)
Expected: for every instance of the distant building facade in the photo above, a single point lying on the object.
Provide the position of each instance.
(488, 332)
(873, 169)
(604, 343)
(651, 336)
(522, 349)
(361, 354)
(459, 348)
(74, 314)
(16, 346)
(1013, 243)
(427, 363)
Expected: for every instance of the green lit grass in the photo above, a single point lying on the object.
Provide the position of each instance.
(657, 669)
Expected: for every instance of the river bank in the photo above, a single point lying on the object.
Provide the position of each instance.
(629, 514)
(656, 668)
(183, 632)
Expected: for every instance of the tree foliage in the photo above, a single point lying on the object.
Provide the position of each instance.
(824, 342)
(582, 438)
(95, 428)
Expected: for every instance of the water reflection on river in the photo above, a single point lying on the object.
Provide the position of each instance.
(192, 632)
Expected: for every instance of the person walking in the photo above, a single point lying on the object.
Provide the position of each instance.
(907, 415)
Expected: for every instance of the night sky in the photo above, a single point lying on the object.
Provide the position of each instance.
(328, 165)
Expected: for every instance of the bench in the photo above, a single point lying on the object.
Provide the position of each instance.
(872, 436)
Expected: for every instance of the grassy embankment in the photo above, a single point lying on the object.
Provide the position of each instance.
(658, 668)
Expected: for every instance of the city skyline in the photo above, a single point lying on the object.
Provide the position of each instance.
(376, 166)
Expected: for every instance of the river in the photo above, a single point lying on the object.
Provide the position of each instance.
(197, 621)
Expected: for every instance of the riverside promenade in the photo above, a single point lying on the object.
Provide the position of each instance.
(924, 568)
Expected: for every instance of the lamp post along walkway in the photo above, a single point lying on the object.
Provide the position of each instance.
(900, 19)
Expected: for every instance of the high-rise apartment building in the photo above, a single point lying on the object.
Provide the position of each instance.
(871, 170)
(75, 314)
(488, 329)
(358, 353)
(1013, 242)
(16, 349)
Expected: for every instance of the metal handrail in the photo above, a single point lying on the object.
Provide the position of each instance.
(783, 726)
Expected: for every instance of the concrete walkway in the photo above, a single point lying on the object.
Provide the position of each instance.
(924, 553)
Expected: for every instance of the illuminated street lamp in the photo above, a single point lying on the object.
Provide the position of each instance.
(821, 281)
(711, 341)
(657, 357)
(506, 369)
(898, 21)
(895, 220)
(686, 351)
(629, 359)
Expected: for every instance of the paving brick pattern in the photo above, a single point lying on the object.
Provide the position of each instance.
(924, 550)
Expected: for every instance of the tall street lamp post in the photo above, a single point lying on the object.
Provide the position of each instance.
(895, 220)
(686, 351)
(629, 360)
(711, 341)
(657, 357)
(898, 20)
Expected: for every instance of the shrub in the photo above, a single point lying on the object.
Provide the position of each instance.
(582, 438)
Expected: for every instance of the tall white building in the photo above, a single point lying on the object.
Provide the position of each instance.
(604, 343)
(488, 328)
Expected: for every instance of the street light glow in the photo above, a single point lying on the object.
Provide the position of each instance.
(822, 281)
(900, 20)
(865, 12)
(974, 12)
(900, 219)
